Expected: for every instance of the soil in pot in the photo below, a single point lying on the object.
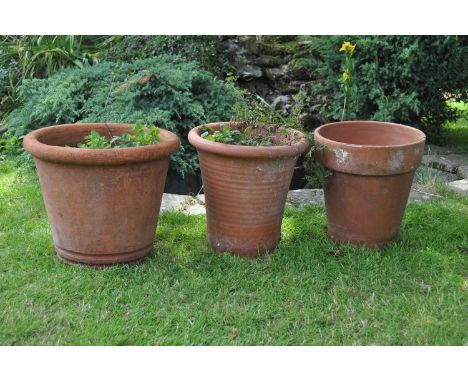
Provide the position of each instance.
(245, 190)
(373, 165)
(102, 205)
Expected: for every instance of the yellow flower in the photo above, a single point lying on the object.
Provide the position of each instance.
(345, 76)
(348, 47)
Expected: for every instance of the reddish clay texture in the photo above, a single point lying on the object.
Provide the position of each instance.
(245, 192)
(102, 205)
(373, 165)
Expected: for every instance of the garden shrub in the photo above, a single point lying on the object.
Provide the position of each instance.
(404, 79)
(39, 56)
(163, 91)
(203, 49)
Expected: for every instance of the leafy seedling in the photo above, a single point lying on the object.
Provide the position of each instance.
(94, 140)
(141, 135)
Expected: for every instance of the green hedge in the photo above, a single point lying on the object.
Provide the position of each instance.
(163, 91)
(405, 79)
(40, 56)
(202, 49)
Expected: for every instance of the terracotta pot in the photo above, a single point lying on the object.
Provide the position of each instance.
(373, 165)
(245, 192)
(102, 205)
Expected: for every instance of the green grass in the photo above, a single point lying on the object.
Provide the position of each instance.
(457, 132)
(309, 291)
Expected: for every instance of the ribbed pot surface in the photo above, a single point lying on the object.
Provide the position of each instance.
(245, 193)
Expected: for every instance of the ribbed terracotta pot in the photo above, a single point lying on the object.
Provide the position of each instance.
(102, 205)
(245, 192)
(373, 165)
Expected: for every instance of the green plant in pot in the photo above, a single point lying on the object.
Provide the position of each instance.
(247, 165)
(102, 185)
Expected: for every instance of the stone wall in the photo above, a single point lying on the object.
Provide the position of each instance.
(276, 68)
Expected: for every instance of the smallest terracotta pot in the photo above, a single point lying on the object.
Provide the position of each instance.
(373, 165)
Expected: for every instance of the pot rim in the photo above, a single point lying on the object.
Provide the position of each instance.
(169, 143)
(371, 159)
(317, 133)
(293, 150)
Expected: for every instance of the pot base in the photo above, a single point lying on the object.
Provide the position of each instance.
(339, 239)
(247, 253)
(102, 260)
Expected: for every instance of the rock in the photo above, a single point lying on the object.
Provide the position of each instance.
(286, 38)
(248, 72)
(300, 74)
(272, 45)
(195, 205)
(267, 61)
(273, 74)
(300, 198)
(171, 202)
(290, 87)
(231, 46)
(434, 149)
(260, 86)
(422, 196)
(249, 43)
(448, 166)
(200, 198)
(282, 102)
(448, 162)
(463, 171)
(300, 69)
(423, 172)
(194, 209)
(273, 66)
(459, 186)
(183, 203)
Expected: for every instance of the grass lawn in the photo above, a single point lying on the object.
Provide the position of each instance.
(309, 291)
(457, 132)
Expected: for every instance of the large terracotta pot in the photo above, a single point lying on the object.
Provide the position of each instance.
(245, 192)
(102, 205)
(373, 165)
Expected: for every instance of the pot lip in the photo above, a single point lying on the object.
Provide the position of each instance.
(72, 155)
(293, 150)
(317, 134)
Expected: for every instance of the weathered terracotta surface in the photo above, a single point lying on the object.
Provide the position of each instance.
(245, 192)
(373, 165)
(102, 205)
